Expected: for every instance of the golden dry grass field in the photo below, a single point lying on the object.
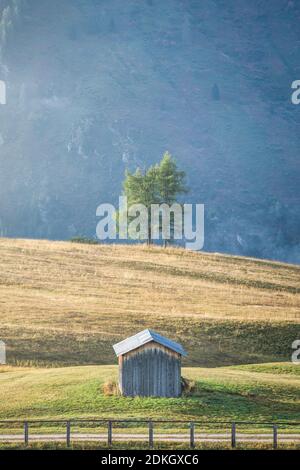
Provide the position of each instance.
(65, 303)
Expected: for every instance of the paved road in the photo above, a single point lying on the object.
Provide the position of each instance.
(224, 437)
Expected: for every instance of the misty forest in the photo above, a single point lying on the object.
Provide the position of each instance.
(98, 87)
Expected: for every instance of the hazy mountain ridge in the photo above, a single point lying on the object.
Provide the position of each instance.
(98, 86)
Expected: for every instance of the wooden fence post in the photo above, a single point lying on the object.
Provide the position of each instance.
(109, 434)
(68, 434)
(151, 435)
(233, 435)
(192, 435)
(275, 437)
(26, 433)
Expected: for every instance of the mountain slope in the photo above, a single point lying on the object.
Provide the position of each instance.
(97, 87)
(66, 303)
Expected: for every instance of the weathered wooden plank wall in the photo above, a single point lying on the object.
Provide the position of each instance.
(151, 370)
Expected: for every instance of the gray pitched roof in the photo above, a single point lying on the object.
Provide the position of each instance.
(144, 337)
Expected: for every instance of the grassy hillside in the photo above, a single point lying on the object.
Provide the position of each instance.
(64, 303)
(254, 393)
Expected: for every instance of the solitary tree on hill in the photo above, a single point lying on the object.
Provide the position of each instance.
(160, 184)
(171, 181)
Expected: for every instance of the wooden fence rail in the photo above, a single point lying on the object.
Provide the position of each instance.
(275, 437)
(151, 435)
(233, 435)
(110, 433)
(152, 425)
(26, 433)
(192, 435)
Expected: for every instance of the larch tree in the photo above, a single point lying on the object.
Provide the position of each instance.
(160, 184)
(171, 183)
